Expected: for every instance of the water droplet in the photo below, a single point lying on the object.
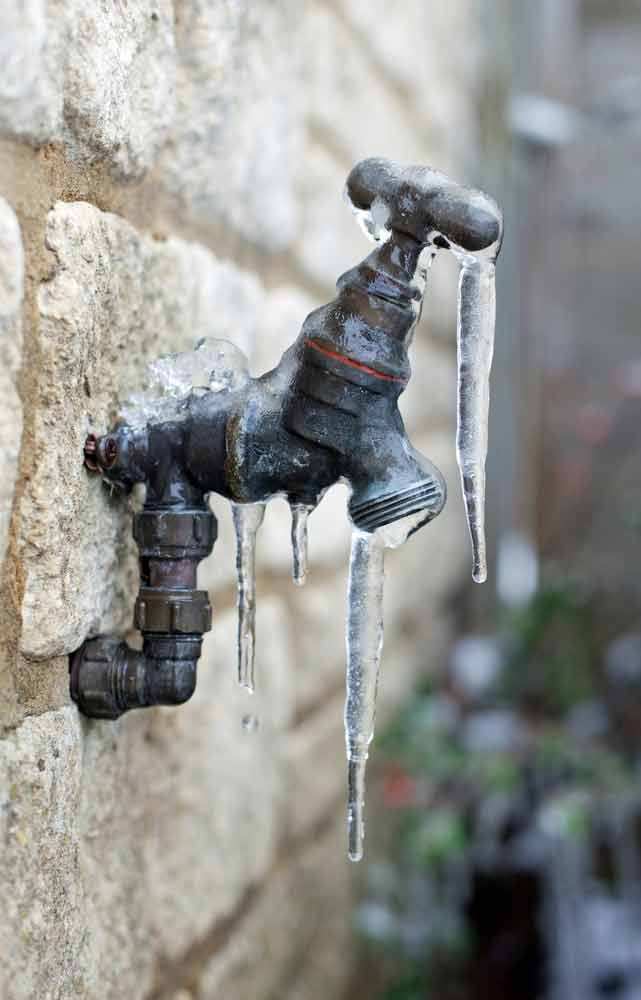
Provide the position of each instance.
(250, 723)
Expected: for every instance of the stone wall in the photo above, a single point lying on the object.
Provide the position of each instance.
(168, 171)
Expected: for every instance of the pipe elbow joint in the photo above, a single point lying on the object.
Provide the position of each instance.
(107, 676)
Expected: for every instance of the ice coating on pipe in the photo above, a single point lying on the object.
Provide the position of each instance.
(171, 381)
(373, 221)
(213, 364)
(300, 514)
(475, 338)
(364, 649)
(248, 518)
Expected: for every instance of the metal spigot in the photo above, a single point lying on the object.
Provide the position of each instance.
(327, 412)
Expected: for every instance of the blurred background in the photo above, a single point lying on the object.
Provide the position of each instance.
(506, 857)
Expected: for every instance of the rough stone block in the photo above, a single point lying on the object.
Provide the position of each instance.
(407, 50)
(115, 302)
(39, 868)
(97, 77)
(423, 54)
(329, 963)
(329, 239)
(11, 288)
(126, 841)
(315, 760)
(373, 120)
(236, 138)
(306, 902)
(429, 402)
(218, 797)
(284, 309)
(31, 71)
(318, 627)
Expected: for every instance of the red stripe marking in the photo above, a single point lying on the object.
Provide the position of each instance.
(354, 364)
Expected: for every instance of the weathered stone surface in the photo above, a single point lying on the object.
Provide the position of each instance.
(429, 402)
(432, 57)
(119, 82)
(117, 947)
(329, 239)
(31, 71)
(11, 288)
(218, 796)
(394, 50)
(39, 866)
(373, 121)
(314, 791)
(98, 77)
(116, 301)
(329, 963)
(318, 626)
(306, 901)
(109, 826)
(284, 310)
(236, 138)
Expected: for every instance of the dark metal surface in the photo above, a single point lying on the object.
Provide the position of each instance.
(327, 412)
(107, 676)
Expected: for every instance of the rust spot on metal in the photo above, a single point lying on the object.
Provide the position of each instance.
(90, 453)
(110, 452)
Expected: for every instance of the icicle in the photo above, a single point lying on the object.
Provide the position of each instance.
(364, 648)
(247, 520)
(300, 513)
(476, 318)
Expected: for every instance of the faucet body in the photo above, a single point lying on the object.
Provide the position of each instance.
(328, 412)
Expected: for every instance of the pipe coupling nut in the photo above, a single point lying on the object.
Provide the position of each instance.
(186, 612)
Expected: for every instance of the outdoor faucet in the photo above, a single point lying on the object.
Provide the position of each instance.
(327, 413)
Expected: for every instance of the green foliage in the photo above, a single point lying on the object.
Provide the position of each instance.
(553, 780)
(551, 659)
(410, 987)
(567, 816)
(436, 837)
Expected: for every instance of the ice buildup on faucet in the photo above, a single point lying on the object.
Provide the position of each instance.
(327, 413)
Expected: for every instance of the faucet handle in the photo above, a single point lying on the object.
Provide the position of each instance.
(424, 203)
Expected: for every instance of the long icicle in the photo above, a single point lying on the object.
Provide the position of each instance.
(248, 518)
(364, 647)
(476, 321)
(300, 514)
